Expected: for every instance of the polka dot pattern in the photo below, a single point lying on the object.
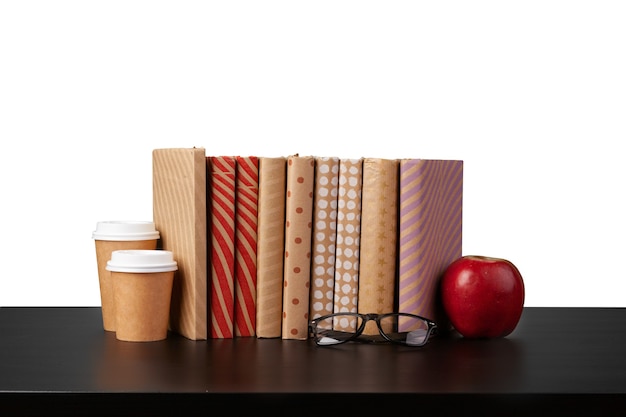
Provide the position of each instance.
(347, 250)
(298, 230)
(324, 235)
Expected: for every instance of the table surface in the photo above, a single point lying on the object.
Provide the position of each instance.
(563, 360)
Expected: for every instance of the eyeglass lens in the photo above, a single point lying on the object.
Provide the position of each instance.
(399, 328)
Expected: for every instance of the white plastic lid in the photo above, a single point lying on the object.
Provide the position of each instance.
(138, 260)
(125, 230)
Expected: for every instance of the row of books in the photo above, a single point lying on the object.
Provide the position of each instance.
(266, 243)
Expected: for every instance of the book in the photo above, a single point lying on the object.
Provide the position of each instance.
(297, 258)
(430, 232)
(379, 231)
(179, 209)
(270, 246)
(246, 224)
(325, 198)
(347, 248)
(222, 172)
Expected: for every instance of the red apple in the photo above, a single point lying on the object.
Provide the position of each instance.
(483, 297)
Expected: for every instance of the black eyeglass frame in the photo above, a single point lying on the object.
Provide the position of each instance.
(432, 327)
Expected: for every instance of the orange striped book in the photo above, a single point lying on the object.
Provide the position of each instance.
(270, 246)
(222, 255)
(379, 229)
(246, 218)
(324, 235)
(430, 231)
(297, 265)
(347, 248)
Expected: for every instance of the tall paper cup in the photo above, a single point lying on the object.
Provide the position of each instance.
(118, 235)
(142, 288)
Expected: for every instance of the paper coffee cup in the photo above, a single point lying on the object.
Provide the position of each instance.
(110, 236)
(142, 290)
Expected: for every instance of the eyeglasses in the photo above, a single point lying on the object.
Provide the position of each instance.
(402, 328)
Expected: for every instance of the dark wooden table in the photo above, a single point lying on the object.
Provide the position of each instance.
(559, 361)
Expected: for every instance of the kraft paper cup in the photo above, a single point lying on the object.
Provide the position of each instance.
(110, 236)
(142, 290)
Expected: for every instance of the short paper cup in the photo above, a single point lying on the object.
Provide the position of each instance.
(142, 289)
(110, 236)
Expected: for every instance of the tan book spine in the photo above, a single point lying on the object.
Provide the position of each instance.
(347, 252)
(179, 210)
(379, 228)
(270, 246)
(297, 266)
(324, 235)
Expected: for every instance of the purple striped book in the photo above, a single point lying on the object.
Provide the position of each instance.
(430, 231)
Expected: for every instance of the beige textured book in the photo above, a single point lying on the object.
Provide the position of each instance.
(324, 235)
(347, 251)
(379, 228)
(180, 215)
(270, 246)
(297, 267)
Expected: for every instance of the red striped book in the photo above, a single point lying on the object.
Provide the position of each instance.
(246, 209)
(222, 255)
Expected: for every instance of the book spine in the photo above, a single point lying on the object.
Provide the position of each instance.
(270, 246)
(348, 239)
(246, 224)
(222, 192)
(297, 261)
(324, 235)
(379, 229)
(431, 194)
(180, 215)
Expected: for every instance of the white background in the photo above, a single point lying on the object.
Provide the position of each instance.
(530, 94)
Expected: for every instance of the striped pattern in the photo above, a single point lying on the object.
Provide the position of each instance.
(431, 194)
(324, 235)
(270, 246)
(222, 197)
(246, 200)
